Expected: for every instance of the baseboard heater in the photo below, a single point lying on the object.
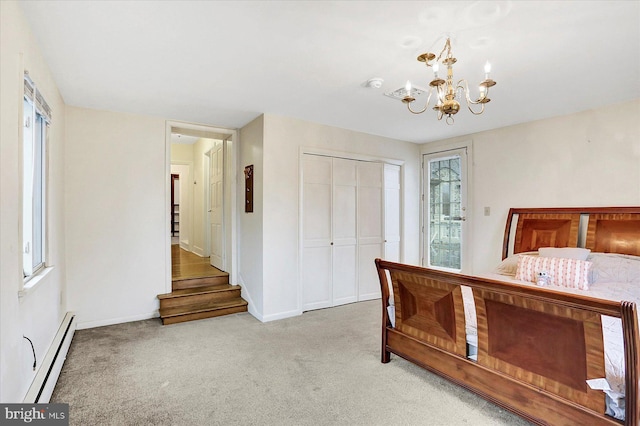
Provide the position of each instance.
(43, 384)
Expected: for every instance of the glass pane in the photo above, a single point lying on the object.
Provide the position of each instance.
(33, 207)
(27, 189)
(38, 193)
(445, 226)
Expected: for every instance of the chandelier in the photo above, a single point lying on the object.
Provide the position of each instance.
(447, 95)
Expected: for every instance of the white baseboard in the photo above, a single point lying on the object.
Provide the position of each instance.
(252, 310)
(197, 250)
(281, 315)
(251, 307)
(371, 296)
(112, 321)
(46, 378)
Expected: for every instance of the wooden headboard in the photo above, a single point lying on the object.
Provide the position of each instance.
(609, 229)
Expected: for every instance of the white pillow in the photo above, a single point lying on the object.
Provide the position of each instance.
(509, 265)
(563, 272)
(564, 252)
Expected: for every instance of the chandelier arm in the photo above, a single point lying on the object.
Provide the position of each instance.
(417, 112)
(425, 106)
(476, 113)
(464, 85)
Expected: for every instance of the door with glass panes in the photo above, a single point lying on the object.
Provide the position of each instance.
(445, 210)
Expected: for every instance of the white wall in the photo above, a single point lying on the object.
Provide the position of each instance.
(39, 313)
(587, 159)
(181, 153)
(283, 139)
(117, 215)
(250, 225)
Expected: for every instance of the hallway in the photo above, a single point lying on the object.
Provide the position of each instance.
(186, 265)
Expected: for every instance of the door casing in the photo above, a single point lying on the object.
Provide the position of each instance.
(231, 143)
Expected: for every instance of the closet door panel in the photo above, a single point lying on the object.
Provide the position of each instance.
(317, 201)
(370, 184)
(317, 251)
(344, 231)
(369, 215)
(368, 281)
(316, 278)
(344, 214)
(344, 274)
(370, 227)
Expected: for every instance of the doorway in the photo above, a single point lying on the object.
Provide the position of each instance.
(175, 208)
(207, 192)
(445, 210)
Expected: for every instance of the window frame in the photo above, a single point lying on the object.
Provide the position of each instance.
(34, 189)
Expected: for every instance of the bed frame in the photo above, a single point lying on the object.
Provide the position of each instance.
(521, 365)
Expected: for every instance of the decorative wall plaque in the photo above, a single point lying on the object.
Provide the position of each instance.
(248, 193)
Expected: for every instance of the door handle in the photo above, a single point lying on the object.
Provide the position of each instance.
(462, 218)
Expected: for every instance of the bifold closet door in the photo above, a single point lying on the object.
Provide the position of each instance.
(343, 230)
(344, 240)
(370, 228)
(317, 250)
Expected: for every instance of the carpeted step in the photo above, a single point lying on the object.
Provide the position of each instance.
(192, 312)
(198, 295)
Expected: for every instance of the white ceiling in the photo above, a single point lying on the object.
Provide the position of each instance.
(224, 63)
(181, 139)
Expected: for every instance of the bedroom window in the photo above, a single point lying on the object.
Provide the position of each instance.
(36, 119)
(444, 209)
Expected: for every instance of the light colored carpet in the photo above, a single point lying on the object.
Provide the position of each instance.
(322, 368)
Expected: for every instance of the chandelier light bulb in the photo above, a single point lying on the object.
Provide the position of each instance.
(487, 70)
(436, 67)
(407, 87)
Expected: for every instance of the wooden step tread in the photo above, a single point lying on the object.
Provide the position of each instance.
(199, 282)
(198, 275)
(199, 290)
(204, 314)
(201, 307)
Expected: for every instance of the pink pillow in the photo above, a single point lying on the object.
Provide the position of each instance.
(570, 273)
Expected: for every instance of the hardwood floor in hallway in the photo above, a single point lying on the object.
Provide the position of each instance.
(185, 265)
(198, 290)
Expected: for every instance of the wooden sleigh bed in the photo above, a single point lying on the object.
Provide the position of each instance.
(536, 346)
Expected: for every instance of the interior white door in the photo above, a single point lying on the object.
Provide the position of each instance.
(392, 212)
(216, 207)
(344, 241)
(317, 288)
(370, 227)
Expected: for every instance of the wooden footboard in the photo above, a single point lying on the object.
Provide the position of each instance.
(536, 347)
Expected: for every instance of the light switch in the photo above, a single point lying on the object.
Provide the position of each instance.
(487, 211)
